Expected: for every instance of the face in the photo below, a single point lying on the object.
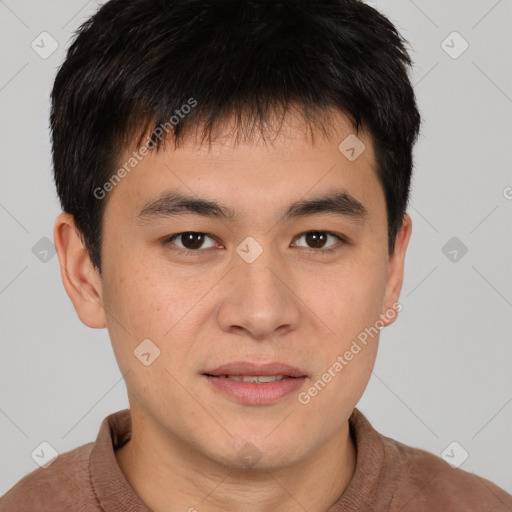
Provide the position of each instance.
(258, 279)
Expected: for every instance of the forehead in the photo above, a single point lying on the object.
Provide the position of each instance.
(265, 169)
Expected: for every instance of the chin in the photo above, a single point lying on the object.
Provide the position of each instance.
(259, 455)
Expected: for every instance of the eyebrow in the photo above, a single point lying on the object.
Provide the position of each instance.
(172, 204)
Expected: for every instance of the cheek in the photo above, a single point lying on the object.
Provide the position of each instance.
(135, 289)
(348, 298)
(153, 301)
(132, 298)
(348, 306)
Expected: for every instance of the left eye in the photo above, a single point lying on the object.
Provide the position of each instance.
(318, 238)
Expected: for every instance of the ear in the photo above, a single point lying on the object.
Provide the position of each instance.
(390, 307)
(81, 280)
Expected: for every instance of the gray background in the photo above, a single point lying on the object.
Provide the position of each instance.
(443, 372)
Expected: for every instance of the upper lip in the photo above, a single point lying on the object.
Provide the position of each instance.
(247, 368)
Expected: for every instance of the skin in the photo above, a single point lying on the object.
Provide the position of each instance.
(212, 307)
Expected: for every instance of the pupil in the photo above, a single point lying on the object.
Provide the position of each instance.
(315, 239)
(192, 240)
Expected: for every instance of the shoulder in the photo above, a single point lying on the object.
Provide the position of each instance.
(428, 482)
(63, 485)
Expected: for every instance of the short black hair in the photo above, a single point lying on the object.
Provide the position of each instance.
(136, 63)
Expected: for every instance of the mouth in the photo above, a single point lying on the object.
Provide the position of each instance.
(254, 384)
(244, 371)
(262, 379)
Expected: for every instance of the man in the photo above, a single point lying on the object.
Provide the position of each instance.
(243, 281)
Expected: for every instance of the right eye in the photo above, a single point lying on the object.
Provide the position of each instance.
(191, 241)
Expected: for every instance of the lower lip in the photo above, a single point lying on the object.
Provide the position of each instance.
(254, 393)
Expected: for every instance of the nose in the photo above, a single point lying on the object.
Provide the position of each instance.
(258, 298)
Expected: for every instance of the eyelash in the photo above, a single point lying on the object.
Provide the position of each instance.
(187, 252)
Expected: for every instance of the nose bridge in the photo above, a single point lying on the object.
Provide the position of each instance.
(258, 268)
(258, 297)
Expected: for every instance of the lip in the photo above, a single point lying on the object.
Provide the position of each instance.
(248, 368)
(253, 393)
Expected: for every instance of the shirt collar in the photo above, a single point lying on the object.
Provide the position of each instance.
(112, 490)
(376, 467)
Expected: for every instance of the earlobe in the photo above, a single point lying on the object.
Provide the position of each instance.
(396, 273)
(81, 280)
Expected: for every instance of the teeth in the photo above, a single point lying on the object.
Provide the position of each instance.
(255, 378)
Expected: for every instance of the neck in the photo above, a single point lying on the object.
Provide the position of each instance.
(178, 478)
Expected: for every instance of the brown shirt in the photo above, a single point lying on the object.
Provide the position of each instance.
(389, 476)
